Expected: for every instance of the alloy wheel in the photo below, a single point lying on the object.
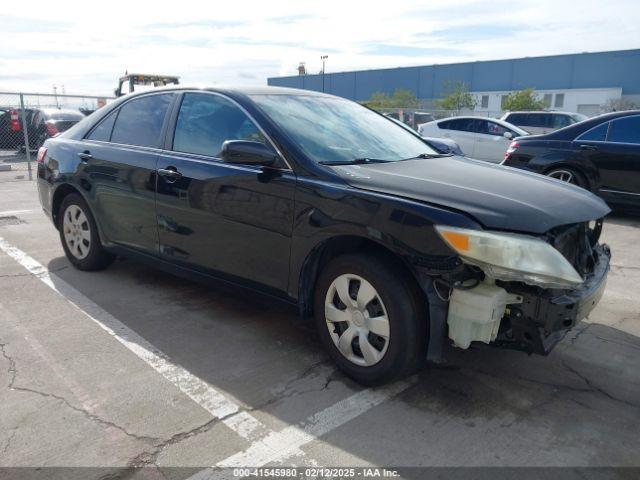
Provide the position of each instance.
(357, 320)
(564, 176)
(77, 232)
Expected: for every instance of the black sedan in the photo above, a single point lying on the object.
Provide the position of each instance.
(315, 200)
(601, 154)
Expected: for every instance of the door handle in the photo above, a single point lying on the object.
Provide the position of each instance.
(85, 156)
(588, 147)
(171, 174)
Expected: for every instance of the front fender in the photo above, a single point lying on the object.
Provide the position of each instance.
(403, 227)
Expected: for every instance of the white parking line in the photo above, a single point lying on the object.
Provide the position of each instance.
(268, 446)
(241, 422)
(279, 446)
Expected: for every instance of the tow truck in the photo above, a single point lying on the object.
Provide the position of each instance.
(128, 82)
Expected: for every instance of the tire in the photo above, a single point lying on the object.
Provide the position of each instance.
(79, 235)
(395, 296)
(569, 175)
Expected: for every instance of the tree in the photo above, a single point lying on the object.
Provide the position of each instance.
(399, 99)
(526, 99)
(457, 98)
(619, 105)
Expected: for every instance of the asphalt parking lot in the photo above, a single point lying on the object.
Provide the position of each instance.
(130, 367)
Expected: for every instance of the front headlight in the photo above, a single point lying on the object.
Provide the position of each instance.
(512, 257)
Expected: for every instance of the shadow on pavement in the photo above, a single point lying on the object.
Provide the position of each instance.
(578, 406)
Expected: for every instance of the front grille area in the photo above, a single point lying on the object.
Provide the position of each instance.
(576, 243)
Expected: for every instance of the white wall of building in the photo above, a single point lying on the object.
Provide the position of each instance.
(588, 101)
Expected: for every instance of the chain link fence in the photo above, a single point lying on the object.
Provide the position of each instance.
(28, 119)
(413, 116)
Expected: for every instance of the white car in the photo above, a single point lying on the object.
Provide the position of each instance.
(482, 138)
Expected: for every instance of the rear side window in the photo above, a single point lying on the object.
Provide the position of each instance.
(625, 130)
(102, 132)
(517, 118)
(459, 124)
(206, 121)
(596, 134)
(140, 120)
(538, 120)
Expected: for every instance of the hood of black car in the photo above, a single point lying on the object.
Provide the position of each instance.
(498, 197)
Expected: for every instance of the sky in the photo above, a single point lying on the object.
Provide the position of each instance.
(83, 46)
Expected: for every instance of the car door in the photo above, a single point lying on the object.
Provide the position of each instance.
(461, 131)
(119, 158)
(491, 144)
(617, 159)
(226, 219)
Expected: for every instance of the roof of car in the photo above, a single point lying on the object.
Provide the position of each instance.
(572, 131)
(246, 90)
(49, 111)
(540, 112)
(477, 117)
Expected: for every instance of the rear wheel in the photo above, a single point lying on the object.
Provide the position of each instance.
(569, 175)
(79, 235)
(371, 318)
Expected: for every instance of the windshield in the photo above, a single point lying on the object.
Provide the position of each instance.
(578, 117)
(333, 130)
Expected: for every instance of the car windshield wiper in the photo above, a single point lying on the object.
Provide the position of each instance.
(355, 161)
(430, 155)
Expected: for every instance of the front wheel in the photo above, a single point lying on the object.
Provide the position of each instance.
(79, 235)
(371, 318)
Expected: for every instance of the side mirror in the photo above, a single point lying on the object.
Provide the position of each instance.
(507, 135)
(247, 153)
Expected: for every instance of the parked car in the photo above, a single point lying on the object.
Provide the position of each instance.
(481, 138)
(422, 117)
(441, 145)
(10, 135)
(45, 123)
(601, 154)
(542, 122)
(320, 202)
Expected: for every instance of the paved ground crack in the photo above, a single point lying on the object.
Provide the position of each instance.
(13, 374)
(595, 388)
(288, 392)
(148, 458)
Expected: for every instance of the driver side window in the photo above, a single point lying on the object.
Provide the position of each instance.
(206, 121)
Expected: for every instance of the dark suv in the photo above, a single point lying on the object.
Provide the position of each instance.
(318, 201)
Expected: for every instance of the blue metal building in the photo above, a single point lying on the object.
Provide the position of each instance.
(602, 70)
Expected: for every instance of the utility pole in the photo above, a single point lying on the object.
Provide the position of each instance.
(324, 59)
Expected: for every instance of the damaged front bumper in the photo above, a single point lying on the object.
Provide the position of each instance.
(531, 319)
(545, 316)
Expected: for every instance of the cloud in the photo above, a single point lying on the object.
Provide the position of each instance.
(86, 50)
(406, 50)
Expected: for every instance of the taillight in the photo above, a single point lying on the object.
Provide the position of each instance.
(42, 153)
(512, 148)
(15, 121)
(52, 130)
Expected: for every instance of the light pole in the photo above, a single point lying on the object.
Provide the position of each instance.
(323, 58)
